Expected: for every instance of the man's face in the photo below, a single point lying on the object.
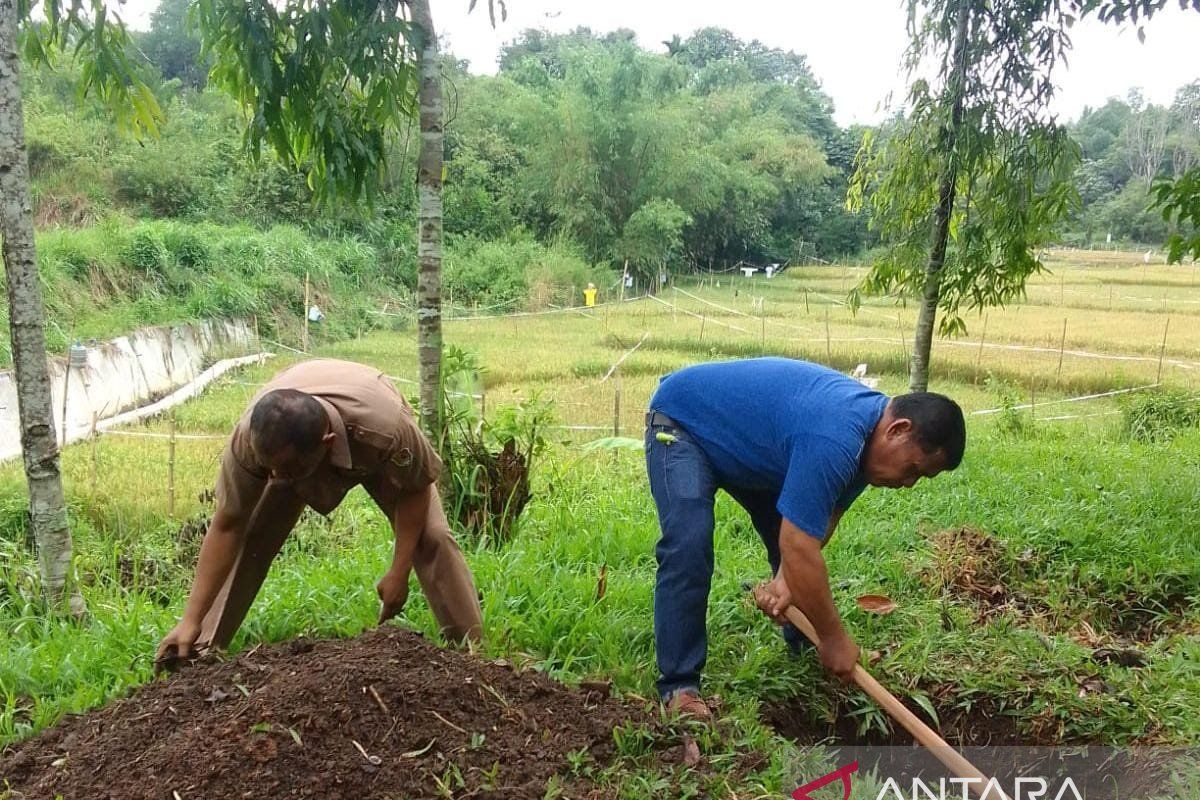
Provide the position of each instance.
(897, 461)
(291, 464)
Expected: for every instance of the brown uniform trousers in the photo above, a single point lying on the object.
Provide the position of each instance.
(377, 445)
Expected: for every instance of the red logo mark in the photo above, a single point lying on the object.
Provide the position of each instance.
(842, 772)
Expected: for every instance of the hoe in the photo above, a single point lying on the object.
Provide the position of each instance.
(951, 758)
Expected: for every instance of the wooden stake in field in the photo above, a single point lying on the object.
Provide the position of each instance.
(66, 386)
(675, 305)
(703, 318)
(1062, 344)
(806, 311)
(304, 341)
(828, 340)
(171, 465)
(979, 355)
(617, 405)
(762, 315)
(1162, 349)
(94, 438)
(903, 339)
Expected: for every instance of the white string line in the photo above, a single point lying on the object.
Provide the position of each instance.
(416, 383)
(804, 328)
(589, 427)
(566, 310)
(151, 435)
(1099, 298)
(580, 310)
(284, 346)
(701, 316)
(1173, 362)
(627, 354)
(1078, 416)
(1079, 399)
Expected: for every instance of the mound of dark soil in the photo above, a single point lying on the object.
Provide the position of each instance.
(385, 715)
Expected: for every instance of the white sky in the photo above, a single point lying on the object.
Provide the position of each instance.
(853, 46)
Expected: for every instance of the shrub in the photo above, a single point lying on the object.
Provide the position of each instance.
(69, 252)
(487, 272)
(163, 184)
(147, 252)
(1158, 415)
(513, 270)
(186, 247)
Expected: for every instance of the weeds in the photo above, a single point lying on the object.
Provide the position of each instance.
(1159, 415)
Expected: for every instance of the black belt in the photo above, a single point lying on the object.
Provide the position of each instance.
(658, 418)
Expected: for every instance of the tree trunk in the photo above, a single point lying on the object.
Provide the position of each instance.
(918, 375)
(39, 445)
(429, 224)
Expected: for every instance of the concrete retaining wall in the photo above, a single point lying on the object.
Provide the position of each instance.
(124, 373)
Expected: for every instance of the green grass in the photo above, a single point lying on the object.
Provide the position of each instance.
(1094, 533)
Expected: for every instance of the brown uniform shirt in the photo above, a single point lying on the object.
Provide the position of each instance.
(375, 434)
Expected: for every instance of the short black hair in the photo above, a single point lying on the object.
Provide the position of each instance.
(937, 423)
(287, 418)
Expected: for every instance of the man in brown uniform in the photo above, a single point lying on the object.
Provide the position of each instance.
(314, 432)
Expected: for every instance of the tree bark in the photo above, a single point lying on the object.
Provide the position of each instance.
(429, 223)
(918, 375)
(39, 444)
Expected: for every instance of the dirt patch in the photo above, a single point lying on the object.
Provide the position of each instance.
(384, 715)
(189, 537)
(148, 574)
(974, 566)
(979, 726)
(1144, 616)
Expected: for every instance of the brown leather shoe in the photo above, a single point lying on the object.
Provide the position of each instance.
(689, 704)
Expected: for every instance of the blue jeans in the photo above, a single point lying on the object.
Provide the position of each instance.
(684, 487)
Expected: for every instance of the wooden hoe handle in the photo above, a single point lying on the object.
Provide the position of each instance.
(924, 734)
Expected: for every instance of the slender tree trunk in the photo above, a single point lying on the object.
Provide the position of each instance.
(429, 223)
(918, 374)
(39, 444)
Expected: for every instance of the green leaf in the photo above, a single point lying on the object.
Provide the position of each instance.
(922, 699)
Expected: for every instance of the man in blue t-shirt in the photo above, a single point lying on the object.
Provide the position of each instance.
(794, 444)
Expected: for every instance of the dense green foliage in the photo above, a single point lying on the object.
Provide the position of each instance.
(575, 135)
(719, 151)
(1126, 145)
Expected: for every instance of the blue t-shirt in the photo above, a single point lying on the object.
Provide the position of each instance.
(779, 425)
